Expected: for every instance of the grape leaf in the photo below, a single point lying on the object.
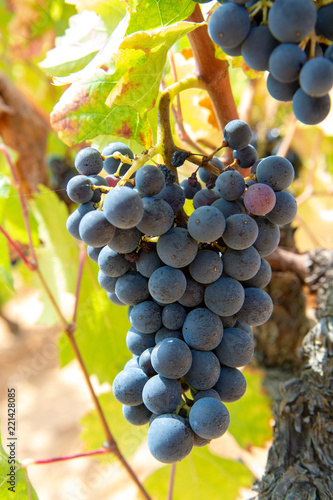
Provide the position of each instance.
(150, 14)
(201, 475)
(85, 36)
(100, 333)
(22, 486)
(250, 416)
(117, 104)
(58, 253)
(128, 437)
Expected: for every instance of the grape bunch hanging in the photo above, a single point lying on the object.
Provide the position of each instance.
(292, 39)
(193, 283)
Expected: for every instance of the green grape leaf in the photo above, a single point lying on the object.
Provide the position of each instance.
(85, 36)
(5, 266)
(151, 14)
(250, 416)
(128, 437)
(101, 330)
(58, 253)
(117, 104)
(201, 475)
(111, 11)
(23, 489)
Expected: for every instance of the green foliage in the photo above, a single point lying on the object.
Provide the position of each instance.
(151, 14)
(118, 103)
(201, 475)
(57, 255)
(101, 332)
(127, 436)
(23, 487)
(250, 416)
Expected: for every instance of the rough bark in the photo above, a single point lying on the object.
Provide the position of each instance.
(300, 461)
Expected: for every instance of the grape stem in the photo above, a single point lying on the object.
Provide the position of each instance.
(213, 73)
(172, 481)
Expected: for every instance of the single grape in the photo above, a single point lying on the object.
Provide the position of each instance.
(146, 317)
(176, 248)
(149, 180)
(138, 342)
(111, 263)
(202, 329)
(229, 25)
(292, 20)
(245, 157)
(128, 385)
(231, 385)
(258, 47)
(132, 288)
(204, 197)
(268, 236)
(88, 161)
(174, 195)
(225, 296)
(281, 91)
(209, 418)
(148, 262)
(157, 217)
(230, 185)
(285, 209)
(169, 438)
(193, 295)
(206, 224)
(316, 77)
(167, 284)
(259, 199)
(235, 349)
(190, 190)
(161, 394)
(286, 62)
(171, 358)
(204, 371)
(79, 189)
(137, 415)
(261, 278)
(95, 230)
(206, 267)
(241, 231)
(173, 316)
(237, 133)
(257, 307)
(241, 264)
(324, 24)
(125, 240)
(275, 171)
(310, 110)
(123, 207)
(73, 221)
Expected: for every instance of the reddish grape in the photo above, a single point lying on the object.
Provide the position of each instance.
(259, 199)
(112, 180)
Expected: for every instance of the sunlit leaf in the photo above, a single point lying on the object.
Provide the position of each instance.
(151, 14)
(22, 488)
(250, 416)
(128, 437)
(117, 104)
(201, 475)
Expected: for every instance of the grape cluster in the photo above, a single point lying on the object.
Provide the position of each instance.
(291, 39)
(194, 285)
